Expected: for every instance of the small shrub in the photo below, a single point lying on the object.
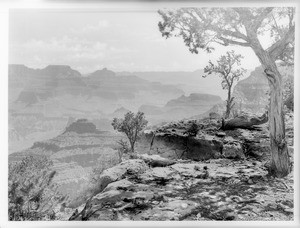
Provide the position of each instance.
(131, 126)
(31, 193)
(104, 162)
(192, 130)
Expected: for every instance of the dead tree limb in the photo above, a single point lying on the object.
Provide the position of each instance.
(244, 122)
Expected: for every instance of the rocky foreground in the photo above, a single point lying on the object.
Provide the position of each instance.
(231, 184)
(220, 189)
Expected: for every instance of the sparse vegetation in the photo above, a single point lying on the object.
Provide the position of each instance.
(123, 148)
(131, 126)
(31, 193)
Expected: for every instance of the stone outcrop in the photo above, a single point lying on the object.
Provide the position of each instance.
(214, 190)
(170, 141)
(132, 167)
(244, 121)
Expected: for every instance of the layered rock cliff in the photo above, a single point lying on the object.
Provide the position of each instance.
(75, 153)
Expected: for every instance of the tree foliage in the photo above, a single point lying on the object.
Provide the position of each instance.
(131, 126)
(200, 28)
(31, 193)
(227, 68)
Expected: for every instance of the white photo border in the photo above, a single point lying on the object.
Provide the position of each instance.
(140, 6)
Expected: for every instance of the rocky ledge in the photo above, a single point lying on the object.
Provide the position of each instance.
(216, 175)
(219, 189)
(171, 141)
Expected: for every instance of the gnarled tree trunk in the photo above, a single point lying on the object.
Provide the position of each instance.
(228, 103)
(280, 161)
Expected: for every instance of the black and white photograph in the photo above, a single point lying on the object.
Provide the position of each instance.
(168, 113)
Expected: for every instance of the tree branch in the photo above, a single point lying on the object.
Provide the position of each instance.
(229, 41)
(235, 34)
(277, 48)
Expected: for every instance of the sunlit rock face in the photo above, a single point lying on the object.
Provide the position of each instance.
(171, 141)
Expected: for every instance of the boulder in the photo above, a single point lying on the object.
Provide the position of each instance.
(134, 166)
(244, 121)
(155, 160)
(191, 170)
(111, 204)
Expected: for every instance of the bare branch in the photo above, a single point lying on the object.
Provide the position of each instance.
(235, 34)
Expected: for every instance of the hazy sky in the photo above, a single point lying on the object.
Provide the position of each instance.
(87, 41)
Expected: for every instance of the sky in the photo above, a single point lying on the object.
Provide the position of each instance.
(88, 41)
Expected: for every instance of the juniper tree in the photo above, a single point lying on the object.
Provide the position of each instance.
(201, 28)
(131, 126)
(227, 69)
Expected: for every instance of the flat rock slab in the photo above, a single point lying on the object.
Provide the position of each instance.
(173, 210)
(119, 185)
(156, 160)
(189, 169)
(234, 190)
(159, 174)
